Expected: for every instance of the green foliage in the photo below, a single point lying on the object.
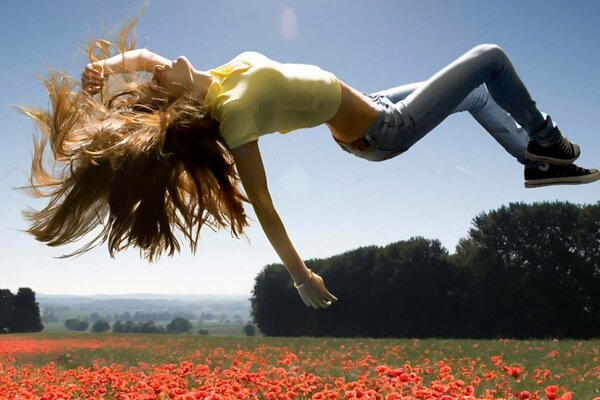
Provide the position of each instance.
(139, 327)
(20, 312)
(7, 305)
(100, 326)
(522, 271)
(203, 332)
(407, 288)
(249, 330)
(179, 325)
(74, 324)
(536, 269)
(143, 316)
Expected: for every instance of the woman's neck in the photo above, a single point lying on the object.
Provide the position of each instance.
(201, 82)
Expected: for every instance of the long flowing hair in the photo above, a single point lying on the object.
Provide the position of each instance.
(141, 171)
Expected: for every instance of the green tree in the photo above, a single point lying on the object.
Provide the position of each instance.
(118, 327)
(536, 270)
(408, 288)
(129, 326)
(522, 271)
(81, 326)
(417, 291)
(100, 326)
(249, 330)
(272, 295)
(149, 327)
(75, 324)
(26, 311)
(70, 322)
(179, 325)
(7, 306)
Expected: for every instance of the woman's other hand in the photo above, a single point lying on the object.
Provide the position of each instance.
(93, 78)
(314, 293)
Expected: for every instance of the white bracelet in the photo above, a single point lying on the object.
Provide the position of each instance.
(302, 284)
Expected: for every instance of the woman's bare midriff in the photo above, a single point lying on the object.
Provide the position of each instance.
(354, 116)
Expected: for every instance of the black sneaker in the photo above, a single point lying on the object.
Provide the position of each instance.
(563, 152)
(552, 174)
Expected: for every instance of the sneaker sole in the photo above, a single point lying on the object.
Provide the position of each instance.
(559, 161)
(571, 180)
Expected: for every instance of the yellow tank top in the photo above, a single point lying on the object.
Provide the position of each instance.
(253, 95)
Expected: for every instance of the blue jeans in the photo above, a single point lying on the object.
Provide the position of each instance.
(481, 81)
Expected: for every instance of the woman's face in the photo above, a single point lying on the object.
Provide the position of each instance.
(170, 80)
(174, 78)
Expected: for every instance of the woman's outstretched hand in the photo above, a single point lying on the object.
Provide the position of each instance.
(314, 293)
(93, 78)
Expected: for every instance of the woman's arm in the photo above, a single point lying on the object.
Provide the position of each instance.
(131, 61)
(94, 75)
(251, 171)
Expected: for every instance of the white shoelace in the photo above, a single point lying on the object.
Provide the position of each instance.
(566, 146)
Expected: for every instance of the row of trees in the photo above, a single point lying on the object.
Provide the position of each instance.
(20, 312)
(523, 271)
(74, 324)
(177, 325)
(144, 316)
(138, 327)
(49, 315)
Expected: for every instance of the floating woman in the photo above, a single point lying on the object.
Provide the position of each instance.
(169, 153)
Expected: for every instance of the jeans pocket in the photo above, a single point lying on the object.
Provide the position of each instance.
(390, 138)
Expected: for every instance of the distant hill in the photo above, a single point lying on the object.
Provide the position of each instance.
(68, 306)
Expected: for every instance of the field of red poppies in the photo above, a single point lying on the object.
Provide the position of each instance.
(109, 366)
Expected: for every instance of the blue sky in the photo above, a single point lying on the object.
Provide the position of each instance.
(329, 201)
